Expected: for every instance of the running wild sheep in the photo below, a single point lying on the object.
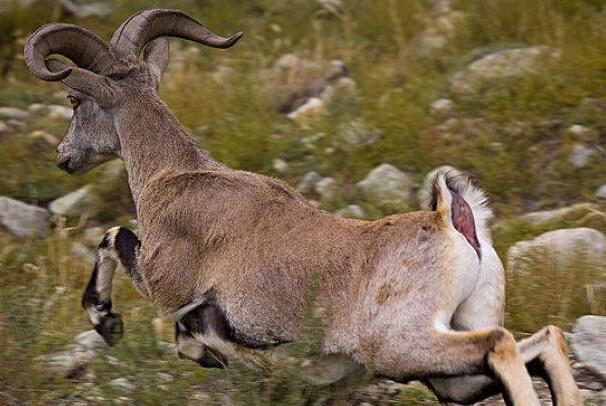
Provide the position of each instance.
(231, 256)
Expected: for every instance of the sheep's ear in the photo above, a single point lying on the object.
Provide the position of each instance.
(156, 56)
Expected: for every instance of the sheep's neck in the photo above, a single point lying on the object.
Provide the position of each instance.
(152, 140)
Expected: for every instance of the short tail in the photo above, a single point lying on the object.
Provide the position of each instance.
(460, 203)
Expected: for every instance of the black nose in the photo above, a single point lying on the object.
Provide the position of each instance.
(63, 163)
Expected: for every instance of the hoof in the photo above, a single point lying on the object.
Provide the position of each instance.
(210, 359)
(111, 328)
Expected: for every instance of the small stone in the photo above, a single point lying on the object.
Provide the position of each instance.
(3, 127)
(81, 251)
(601, 192)
(44, 136)
(122, 384)
(358, 133)
(312, 108)
(35, 107)
(23, 220)
(13, 113)
(387, 187)
(580, 155)
(280, 165)
(90, 340)
(589, 343)
(594, 386)
(351, 211)
(62, 112)
(326, 188)
(164, 377)
(579, 130)
(92, 236)
(308, 182)
(442, 107)
(75, 203)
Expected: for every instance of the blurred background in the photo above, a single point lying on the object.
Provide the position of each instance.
(352, 102)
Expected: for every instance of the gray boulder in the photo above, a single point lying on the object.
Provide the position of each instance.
(581, 155)
(561, 247)
(542, 217)
(23, 220)
(75, 203)
(601, 192)
(589, 343)
(357, 133)
(308, 182)
(72, 360)
(387, 187)
(353, 211)
(499, 66)
(13, 113)
(326, 188)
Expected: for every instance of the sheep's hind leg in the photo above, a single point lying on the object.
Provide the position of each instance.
(119, 246)
(545, 356)
(491, 351)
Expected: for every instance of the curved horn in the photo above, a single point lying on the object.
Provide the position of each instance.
(145, 26)
(97, 86)
(79, 45)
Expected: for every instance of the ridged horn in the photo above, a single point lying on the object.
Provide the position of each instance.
(141, 28)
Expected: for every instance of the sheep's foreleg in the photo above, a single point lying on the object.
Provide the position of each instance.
(119, 246)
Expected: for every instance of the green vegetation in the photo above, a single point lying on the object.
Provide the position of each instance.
(512, 136)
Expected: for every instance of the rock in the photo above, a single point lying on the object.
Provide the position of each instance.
(439, 29)
(589, 343)
(351, 211)
(280, 165)
(326, 188)
(23, 220)
(122, 384)
(92, 236)
(35, 107)
(113, 170)
(539, 218)
(500, 65)
(13, 113)
(358, 133)
(601, 192)
(75, 203)
(81, 9)
(423, 196)
(3, 127)
(442, 107)
(44, 136)
(561, 247)
(308, 182)
(312, 107)
(333, 6)
(90, 340)
(579, 131)
(343, 91)
(83, 252)
(387, 187)
(73, 359)
(56, 111)
(580, 155)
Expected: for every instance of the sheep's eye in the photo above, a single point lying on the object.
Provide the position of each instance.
(75, 102)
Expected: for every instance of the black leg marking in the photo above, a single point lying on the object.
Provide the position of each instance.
(189, 348)
(118, 245)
